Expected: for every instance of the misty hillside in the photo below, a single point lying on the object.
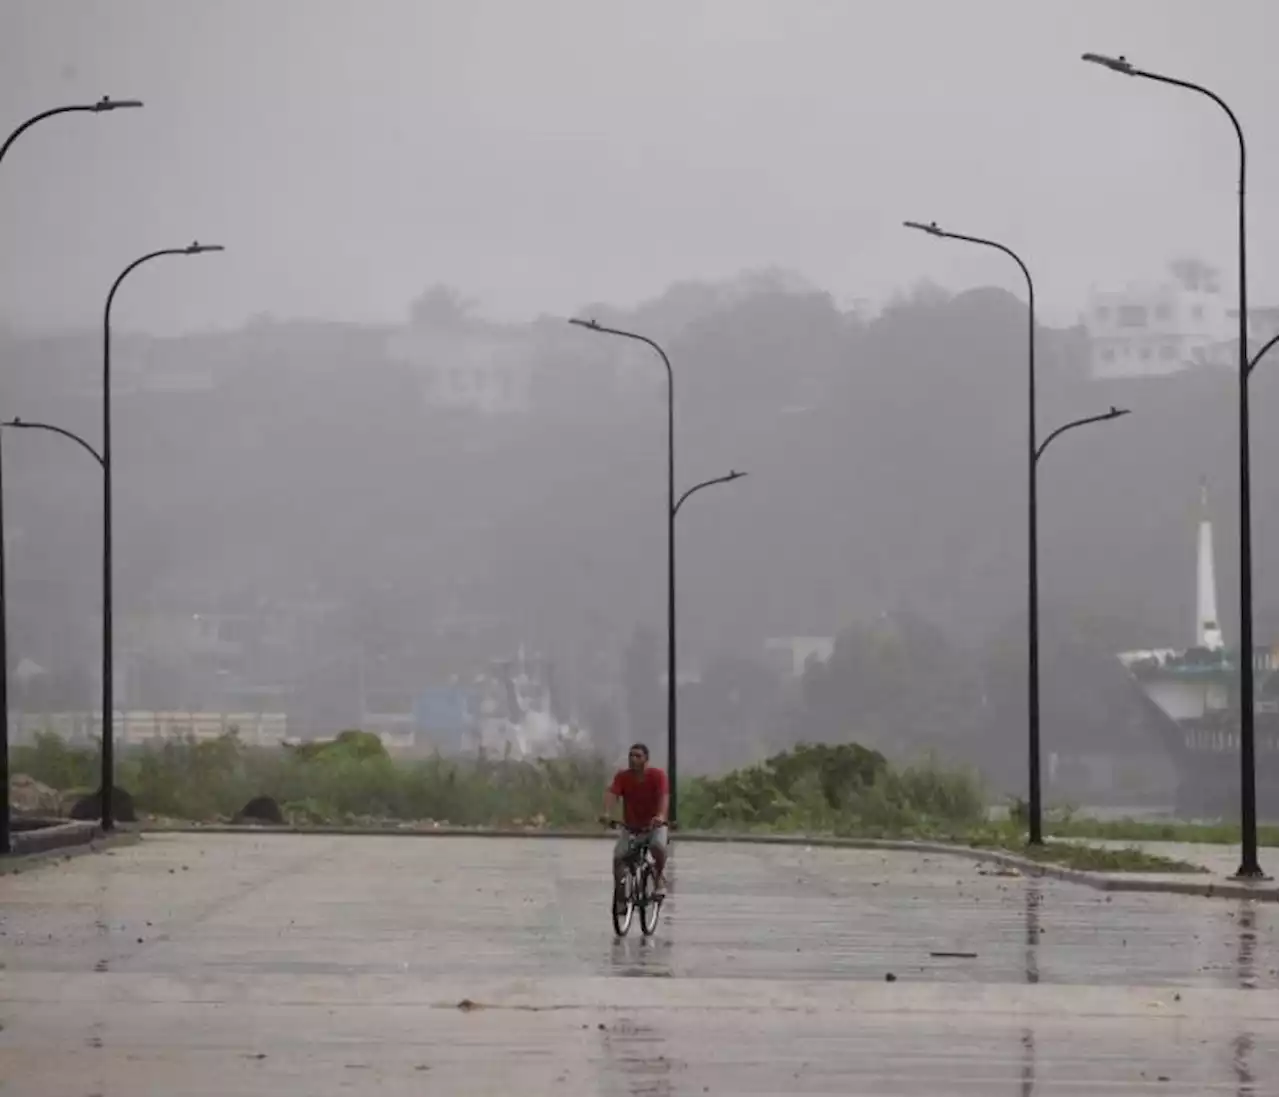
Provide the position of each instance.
(886, 463)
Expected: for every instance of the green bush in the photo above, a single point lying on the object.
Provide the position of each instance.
(844, 789)
(190, 779)
(56, 764)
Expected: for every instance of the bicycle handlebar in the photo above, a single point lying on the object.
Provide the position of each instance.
(618, 824)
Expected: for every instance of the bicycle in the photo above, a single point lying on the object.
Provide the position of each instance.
(634, 892)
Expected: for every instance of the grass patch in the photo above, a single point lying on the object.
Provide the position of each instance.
(842, 790)
(1132, 830)
(1095, 858)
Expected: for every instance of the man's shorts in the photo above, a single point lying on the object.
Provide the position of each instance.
(657, 840)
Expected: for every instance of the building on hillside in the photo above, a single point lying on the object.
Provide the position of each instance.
(513, 708)
(1153, 330)
(467, 368)
(198, 653)
(789, 655)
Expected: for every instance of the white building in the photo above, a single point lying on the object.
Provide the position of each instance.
(790, 655)
(1151, 330)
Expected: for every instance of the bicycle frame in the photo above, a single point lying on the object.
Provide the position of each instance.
(638, 865)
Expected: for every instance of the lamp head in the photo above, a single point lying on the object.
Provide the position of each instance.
(931, 228)
(1115, 64)
(106, 103)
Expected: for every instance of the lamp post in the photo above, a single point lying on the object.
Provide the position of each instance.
(1035, 828)
(673, 505)
(108, 705)
(1249, 866)
(672, 690)
(1033, 583)
(1036, 821)
(22, 424)
(102, 106)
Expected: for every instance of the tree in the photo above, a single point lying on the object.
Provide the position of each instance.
(1195, 275)
(896, 684)
(441, 306)
(730, 714)
(1088, 703)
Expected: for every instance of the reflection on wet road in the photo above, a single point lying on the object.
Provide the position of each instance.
(235, 965)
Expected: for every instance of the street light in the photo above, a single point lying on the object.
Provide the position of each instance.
(24, 425)
(1249, 866)
(108, 704)
(672, 690)
(102, 106)
(1114, 413)
(1033, 584)
(1034, 807)
(673, 505)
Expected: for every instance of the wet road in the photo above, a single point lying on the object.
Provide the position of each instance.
(233, 965)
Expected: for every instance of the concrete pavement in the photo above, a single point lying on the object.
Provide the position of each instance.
(231, 965)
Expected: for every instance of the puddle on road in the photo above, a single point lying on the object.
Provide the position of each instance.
(1027, 1081)
(639, 958)
(1033, 899)
(1247, 953)
(1241, 1053)
(634, 1053)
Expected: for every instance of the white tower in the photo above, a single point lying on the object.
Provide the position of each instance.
(1208, 631)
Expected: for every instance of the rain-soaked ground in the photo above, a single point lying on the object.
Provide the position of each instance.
(228, 965)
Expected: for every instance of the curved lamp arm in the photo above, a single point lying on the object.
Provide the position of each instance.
(194, 248)
(932, 229)
(1125, 67)
(1258, 357)
(106, 103)
(1114, 413)
(592, 325)
(57, 430)
(733, 475)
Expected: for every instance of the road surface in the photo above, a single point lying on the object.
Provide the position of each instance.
(228, 965)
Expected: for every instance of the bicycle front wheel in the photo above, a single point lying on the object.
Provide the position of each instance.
(650, 905)
(623, 907)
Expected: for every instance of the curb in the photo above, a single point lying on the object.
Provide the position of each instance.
(54, 834)
(71, 840)
(1262, 890)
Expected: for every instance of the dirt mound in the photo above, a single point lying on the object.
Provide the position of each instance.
(89, 807)
(261, 809)
(27, 796)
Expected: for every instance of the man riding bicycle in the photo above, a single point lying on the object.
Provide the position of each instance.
(645, 797)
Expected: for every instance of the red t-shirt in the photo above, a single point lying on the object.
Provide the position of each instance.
(641, 795)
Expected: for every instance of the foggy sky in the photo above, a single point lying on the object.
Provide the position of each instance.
(541, 156)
